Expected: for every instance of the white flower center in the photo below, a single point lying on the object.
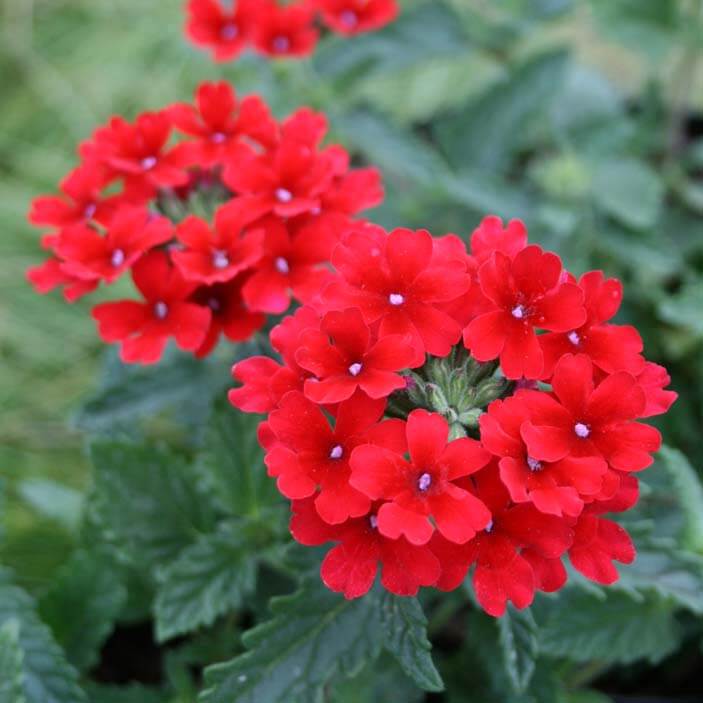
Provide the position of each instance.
(355, 369)
(283, 195)
(89, 211)
(220, 260)
(282, 265)
(424, 482)
(214, 304)
(229, 31)
(489, 527)
(337, 452)
(281, 44)
(373, 521)
(349, 18)
(534, 464)
(582, 430)
(396, 299)
(518, 312)
(160, 310)
(149, 162)
(574, 338)
(117, 258)
(218, 138)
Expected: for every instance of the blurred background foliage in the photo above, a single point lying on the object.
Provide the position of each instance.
(583, 117)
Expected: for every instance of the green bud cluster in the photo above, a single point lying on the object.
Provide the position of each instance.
(457, 387)
(202, 200)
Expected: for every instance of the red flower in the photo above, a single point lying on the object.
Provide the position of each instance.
(525, 293)
(393, 281)
(289, 182)
(138, 152)
(585, 420)
(425, 487)
(217, 255)
(353, 192)
(559, 487)
(597, 543)
(289, 265)
(610, 347)
(145, 328)
(81, 200)
(490, 236)
(653, 379)
(229, 316)
(50, 275)
(351, 566)
(285, 31)
(310, 453)
(502, 572)
(89, 255)
(343, 357)
(355, 16)
(225, 32)
(219, 121)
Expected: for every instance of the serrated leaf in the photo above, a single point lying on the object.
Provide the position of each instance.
(519, 645)
(207, 579)
(11, 663)
(629, 190)
(581, 627)
(234, 461)
(485, 133)
(313, 635)
(46, 675)
(151, 499)
(405, 636)
(82, 605)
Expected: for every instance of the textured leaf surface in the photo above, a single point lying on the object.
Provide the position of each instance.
(405, 636)
(582, 627)
(207, 579)
(519, 646)
(313, 635)
(82, 605)
(11, 663)
(150, 498)
(46, 675)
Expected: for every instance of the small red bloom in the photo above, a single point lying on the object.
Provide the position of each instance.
(597, 543)
(491, 236)
(392, 280)
(284, 31)
(50, 275)
(502, 572)
(343, 357)
(145, 328)
(526, 293)
(289, 266)
(219, 120)
(224, 32)
(560, 487)
(139, 153)
(351, 566)
(229, 316)
(356, 16)
(89, 256)
(653, 379)
(425, 486)
(260, 392)
(80, 202)
(310, 453)
(585, 420)
(217, 255)
(353, 192)
(610, 347)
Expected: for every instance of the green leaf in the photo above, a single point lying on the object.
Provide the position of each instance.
(11, 663)
(46, 675)
(519, 646)
(583, 627)
(313, 635)
(486, 132)
(405, 636)
(629, 190)
(684, 308)
(234, 461)
(151, 499)
(207, 579)
(130, 392)
(82, 605)
(53, 500)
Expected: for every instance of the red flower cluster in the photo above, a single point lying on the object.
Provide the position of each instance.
(278, 30)
(407, 426)
(141, 202)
